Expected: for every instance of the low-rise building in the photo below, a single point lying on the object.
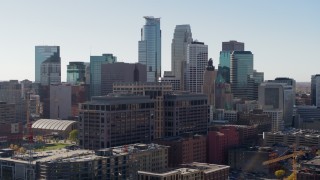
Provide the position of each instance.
(299, 137)
(192, 171)
(309, 169)
(112, 163)
(186, 149)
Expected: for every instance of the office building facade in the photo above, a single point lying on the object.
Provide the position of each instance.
(51, 71)
(43, 53)
(209, 86)
(225, 58)
(155, 91)
(181, 39)
(197, 59)
(150, 48)
(121, 72)
(241, 68)
(190, 148)
(315, 90)
(95, 71)
(116, 119)
(76, 73)
(277, 96)
(185, 113)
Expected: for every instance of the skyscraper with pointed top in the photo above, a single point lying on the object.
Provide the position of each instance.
(208, 87)
(150, 48)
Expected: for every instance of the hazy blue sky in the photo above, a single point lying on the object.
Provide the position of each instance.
(284, 35)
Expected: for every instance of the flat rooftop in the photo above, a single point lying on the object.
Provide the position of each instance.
(298, 132)
(48, 156)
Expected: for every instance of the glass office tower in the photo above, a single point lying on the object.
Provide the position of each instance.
(95, 72)
(150, 48)
(76, 72)
(43, 53)
(241, 69)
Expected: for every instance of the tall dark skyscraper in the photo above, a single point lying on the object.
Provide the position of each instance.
(45, 53)
(150, 48)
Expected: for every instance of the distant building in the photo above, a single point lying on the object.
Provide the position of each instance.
(76, 73)
(42, 54)
(7, 113)
(50, 72)
(181, 39)
(232, 46)
(309, 169)
(11, 93)
(315, 90)
(307, 117)
(184, 150)
(225, 58)
(288, 81)
(95, 72)
(185, 113)
(150, 48)
(224, 96)
(35, 106)
(219, 142)
(121, 162)
(121, 72)
(116, 119)
(299, 137)
(241, 68)
(170, 78)
(155, 91)
(209, 86)
(277, 123)
(277, 97)
(192, 171)
(60, 101)
(256, 118)
(197, 59)
(249, 159)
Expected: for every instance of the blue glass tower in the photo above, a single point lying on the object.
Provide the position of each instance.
(150, 48)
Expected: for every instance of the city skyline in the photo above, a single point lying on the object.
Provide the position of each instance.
(282, 36)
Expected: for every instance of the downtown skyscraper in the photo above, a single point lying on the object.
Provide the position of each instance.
(197, 60)
(48, 54)
(241, 69)
(150, 48)
(181, 38)
(225, 58)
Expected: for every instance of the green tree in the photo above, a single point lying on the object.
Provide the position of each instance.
(279, 173)
(73, 135)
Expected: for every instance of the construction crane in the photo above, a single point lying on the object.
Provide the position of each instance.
(294, 156)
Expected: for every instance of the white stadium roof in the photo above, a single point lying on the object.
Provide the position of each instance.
(52, 124)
